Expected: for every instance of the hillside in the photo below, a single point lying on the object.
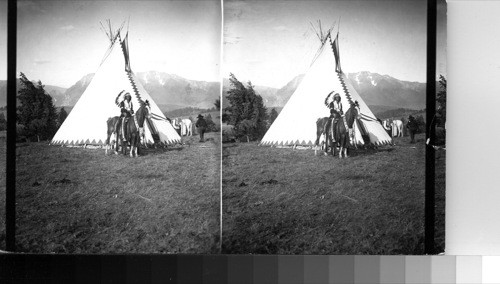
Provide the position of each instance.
(376, 89)
(399, 113)
(268, 94)
(382, 92)
(57, 93)
(169, 90)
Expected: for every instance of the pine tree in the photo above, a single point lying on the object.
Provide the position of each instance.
(211, 126)
(272, 116)
(217, 104)
(62, 116)
(420, 123)
(246, 110)
(3, 122)
(441, 100)
(36, 111)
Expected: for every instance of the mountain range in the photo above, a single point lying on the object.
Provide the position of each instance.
(57, 93)
(382, 92)
(169, 91)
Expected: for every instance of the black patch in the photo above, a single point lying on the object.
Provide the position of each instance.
(271, 181)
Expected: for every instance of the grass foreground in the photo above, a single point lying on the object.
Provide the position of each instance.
(75, 200)
(285, 201)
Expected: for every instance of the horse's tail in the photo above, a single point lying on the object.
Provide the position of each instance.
(320, 128)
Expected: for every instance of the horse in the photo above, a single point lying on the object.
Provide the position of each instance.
(111, 122)
(397, 128)
(134, 130)
(187, 127)
(341, 132)
(321, 132)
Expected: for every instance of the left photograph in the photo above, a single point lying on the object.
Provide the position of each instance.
(118, 127)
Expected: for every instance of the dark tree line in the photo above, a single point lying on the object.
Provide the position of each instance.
(441, 101)
(246, 111)
(3, 122)
(37, 117)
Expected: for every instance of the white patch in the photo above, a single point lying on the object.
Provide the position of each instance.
(158, 78)
(357, 79)
(186, 127)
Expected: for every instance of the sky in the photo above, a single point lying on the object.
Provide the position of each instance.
(61, 41)
(3, 40)
(270, 42)
(267, 42)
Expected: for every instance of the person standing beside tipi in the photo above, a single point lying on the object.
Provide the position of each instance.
(201, 124)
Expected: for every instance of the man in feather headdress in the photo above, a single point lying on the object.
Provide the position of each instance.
(336, 111)
(127, 110)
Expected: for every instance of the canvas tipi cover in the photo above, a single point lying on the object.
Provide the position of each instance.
(86, 123)
(296, 123)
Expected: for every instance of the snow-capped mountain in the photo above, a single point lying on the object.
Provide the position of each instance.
(165, 89)
(376, 89)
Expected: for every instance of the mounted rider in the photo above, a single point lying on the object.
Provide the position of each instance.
(127, 110)
(336, 111)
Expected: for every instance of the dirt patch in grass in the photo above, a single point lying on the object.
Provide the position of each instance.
(74, 200)
(284, 201)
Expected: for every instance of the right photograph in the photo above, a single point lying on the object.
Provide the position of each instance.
(324, 127)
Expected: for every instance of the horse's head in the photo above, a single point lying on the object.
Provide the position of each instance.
(147, 109)
(355, 110)
(143, 112)
(352, 114)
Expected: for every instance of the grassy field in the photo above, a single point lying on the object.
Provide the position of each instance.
(284, 201)
(74, 200)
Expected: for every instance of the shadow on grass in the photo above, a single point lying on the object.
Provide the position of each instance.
(153, 151)
(352, 152)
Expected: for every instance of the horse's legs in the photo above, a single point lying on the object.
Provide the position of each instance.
(106, 144)
(124, 147)
(117, 143)
(132, 144)
(327, 143)
(316, 144)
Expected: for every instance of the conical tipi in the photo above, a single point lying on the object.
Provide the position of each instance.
(296, 123)
(86, 123)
